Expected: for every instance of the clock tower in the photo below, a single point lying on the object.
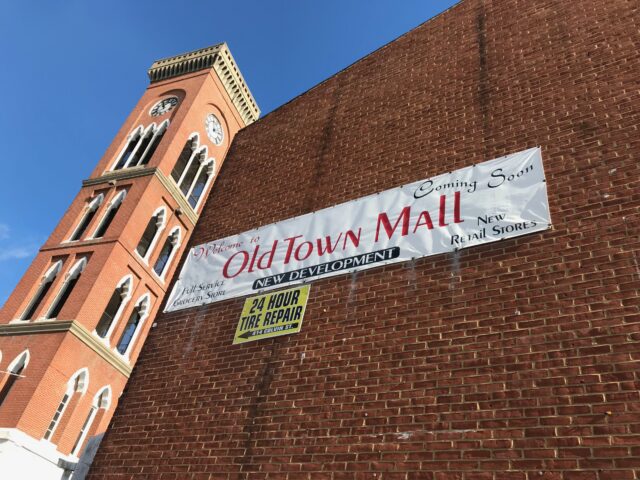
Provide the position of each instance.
(71, 331)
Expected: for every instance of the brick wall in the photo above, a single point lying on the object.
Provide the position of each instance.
(514, 360)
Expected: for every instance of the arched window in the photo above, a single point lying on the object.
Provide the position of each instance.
(45, 284)
(192, 170)
(132, 142)
(148, 152)
(114, 308)
(131, 330)
(187, 151)
(168, 251)
(90, 212)
(110, 214)
(14, 373)
(67, 287)
(101, 401)
(202, 181)
(142, 146)
(151, 233)
(78, 383)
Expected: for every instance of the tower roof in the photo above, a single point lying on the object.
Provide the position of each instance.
(219, 58)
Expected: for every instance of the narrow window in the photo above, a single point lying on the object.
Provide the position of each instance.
(14, 374)
(77, 383)
(168, 249)
(88, 216)
(66, 289)
(134, 138)
(130, 330)
(118, 299)
(109, 215)
(191, 172)
(141, 148)
(183, 159)
(150, 234)
(101, 401)
(43, 289)
(206, 172)
(155, 141)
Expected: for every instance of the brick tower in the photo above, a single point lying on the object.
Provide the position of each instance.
(72, 330)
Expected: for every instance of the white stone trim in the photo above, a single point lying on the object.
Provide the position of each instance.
(83, 373)
(74, 271)
(50, 275)
(115, 202)
(23, 356)
(91, 206)
(116, 318)
(95, 407)
(201, 151)
(158, 131)
(163, 223)
(144, 304)
(137, 131)
(176, 245)
(210, 161)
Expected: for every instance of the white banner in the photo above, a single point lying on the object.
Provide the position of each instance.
(491, 201)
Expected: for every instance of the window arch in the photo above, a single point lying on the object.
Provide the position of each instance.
(132, 328)
(70, 282)
(127, 151)
(45, 284)
(152, 233)
(191, 171)
(78, 383)
(169, 249)
(90, 212)
(141, 145)
(14, 374)
(188, 150)
(150, 149)
(109, 215)
(202, 180)
(101, 401)
(114, 308)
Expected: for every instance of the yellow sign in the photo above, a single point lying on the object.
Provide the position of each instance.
(272, 315)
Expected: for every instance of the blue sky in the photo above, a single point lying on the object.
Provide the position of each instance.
(73, 70)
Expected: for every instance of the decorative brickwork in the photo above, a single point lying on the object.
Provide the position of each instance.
(515, 360)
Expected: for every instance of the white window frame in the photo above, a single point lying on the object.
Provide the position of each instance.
(51, 273)
(92, 206)
(115, 202)
(116, 318)
(150, 130)
(154, 240)
(208, 162)
(157, 131)
(14, 365)
(204, 150)
(70, 390)
(95, 407)
(73, 272)
(194, 149)
(139, 130)
(175, 248)
(136, 333)
(21, 360)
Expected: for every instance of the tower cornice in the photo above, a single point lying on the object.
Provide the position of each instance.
(216, 57)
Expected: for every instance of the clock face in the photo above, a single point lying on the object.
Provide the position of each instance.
(163, 106)
(214, 129)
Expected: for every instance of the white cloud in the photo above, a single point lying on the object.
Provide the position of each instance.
(16, 253)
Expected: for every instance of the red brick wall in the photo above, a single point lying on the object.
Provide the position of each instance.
(514, 360)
